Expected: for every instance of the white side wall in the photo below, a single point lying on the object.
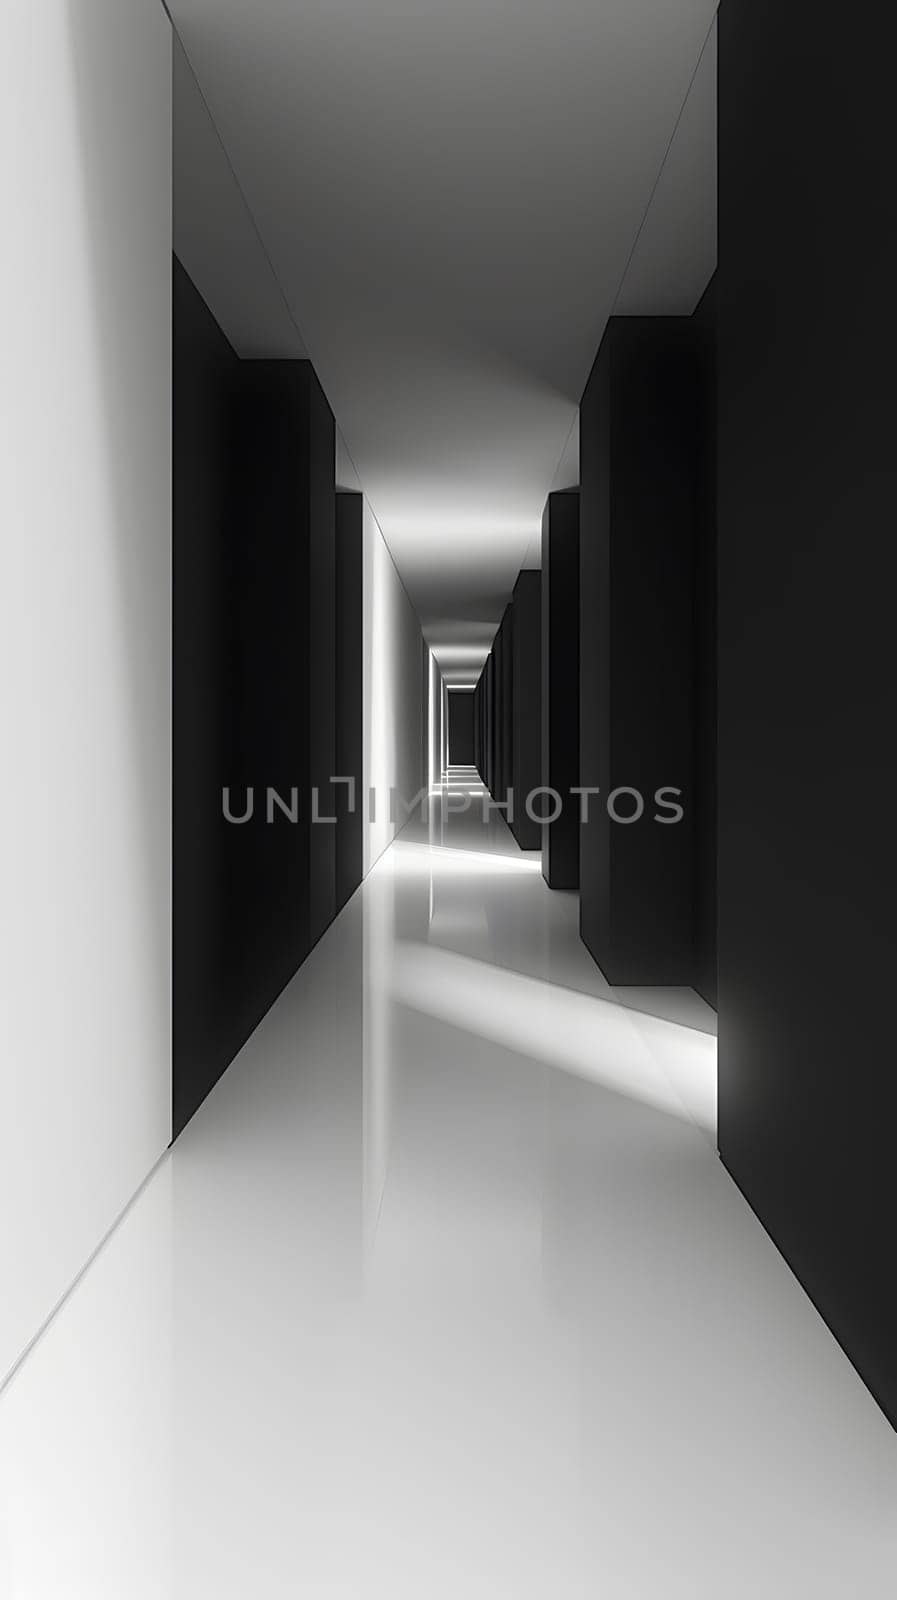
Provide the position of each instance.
(395, 754)
(394, 710)
(85, 648)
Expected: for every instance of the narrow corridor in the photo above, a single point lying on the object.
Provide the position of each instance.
(444, 1292)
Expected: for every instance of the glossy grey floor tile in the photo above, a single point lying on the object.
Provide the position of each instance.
(445, 1293)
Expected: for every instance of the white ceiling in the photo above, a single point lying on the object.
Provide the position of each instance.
(675, 253)
(214, 234)
(450, 192)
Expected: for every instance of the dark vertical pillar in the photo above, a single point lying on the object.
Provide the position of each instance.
(272, 668)
(594, 636)
(526, 725)
(498, 665)
(481, 726)
(560, 685)
(490, 721)
(349, 692)
(253, 699)
(460, 714)
(638, 469)
(322, 653)
(289, 660)
(807, 576)
(706, 655)
(506, 707)
(207, 1025)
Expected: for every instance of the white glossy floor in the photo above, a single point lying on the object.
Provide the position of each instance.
(445, 1293)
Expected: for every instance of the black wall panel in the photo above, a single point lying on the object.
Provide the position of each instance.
(807, 576)
(489, 720)
(638, 424)
(288, 663)
(560, 684)
(254, 669)
(496, 660)
(321, 524)
(705, 798)
(460, 729)
(594, 634)
(526, 725)
(506, 705)
(272, 703)
(349, 692)
(480, 733)
(208, 1024)
(495, 702)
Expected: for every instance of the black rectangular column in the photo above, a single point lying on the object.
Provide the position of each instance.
(638, 423)
(349, 692)
(480, 725)
(706, 661)
(460, 731)
(322, 645)
(526, 735)
(254, 669)
(495, 659)
(489, 774)
(208, 1025)
(807, 578)
(288, 659)
(506, 705)
(560, 685)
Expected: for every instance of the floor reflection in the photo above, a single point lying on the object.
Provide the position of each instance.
(445, 1293)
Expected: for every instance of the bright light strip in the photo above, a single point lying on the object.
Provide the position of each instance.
(662, 1064)
(445, 857)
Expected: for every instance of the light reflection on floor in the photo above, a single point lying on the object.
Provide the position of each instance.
(445, 1293)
